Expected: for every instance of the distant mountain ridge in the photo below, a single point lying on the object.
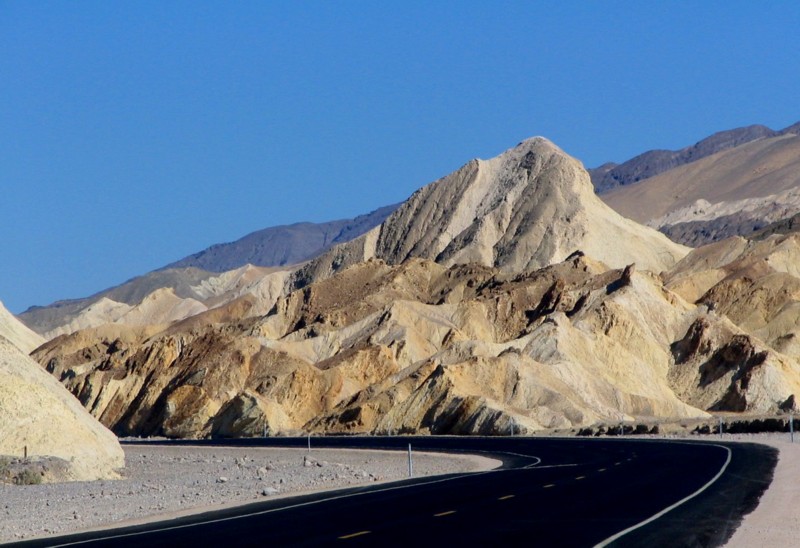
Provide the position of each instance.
(271, 247)
(735, 192)
(283, 245)
(651, 163)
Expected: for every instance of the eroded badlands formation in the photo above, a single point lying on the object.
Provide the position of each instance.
(503, 296)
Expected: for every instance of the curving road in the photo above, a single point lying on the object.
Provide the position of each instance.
(549, 492)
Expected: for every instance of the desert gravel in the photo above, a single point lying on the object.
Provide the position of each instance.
(776, 520)
(163, 482)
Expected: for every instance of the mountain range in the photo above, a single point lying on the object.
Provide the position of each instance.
(504, 295)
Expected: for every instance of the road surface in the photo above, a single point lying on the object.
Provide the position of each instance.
(549, 492)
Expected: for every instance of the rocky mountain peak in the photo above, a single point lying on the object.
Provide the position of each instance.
(528, 207)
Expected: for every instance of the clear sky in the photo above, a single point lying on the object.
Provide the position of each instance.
(133, 134)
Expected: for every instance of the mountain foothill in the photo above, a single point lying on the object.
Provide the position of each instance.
(521, 293)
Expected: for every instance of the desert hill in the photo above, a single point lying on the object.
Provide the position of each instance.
(609, 176)
(37, 412)
(17, 333)
(420, 347)
(734, 192)
(531, 206)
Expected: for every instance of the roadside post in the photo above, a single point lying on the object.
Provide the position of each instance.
(791, 427)
(410, 462)
(309, 442)
(720, 427)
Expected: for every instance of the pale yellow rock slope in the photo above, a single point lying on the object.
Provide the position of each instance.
(37, 412)
(17, 333)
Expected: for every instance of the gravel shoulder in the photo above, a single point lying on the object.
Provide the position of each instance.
(161, 482)
(776, 520)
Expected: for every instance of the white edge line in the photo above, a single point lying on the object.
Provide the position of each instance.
(240, 516)
(654, 517)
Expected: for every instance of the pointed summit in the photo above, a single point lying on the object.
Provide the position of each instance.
(531, 206)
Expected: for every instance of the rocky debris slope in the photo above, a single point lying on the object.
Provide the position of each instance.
(529, 207)
(421, 347)
(18, 333)
(737, 191)
(37, 413)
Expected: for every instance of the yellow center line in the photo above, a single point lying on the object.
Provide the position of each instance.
(548, 485)
(601, 470)
(444, 513)
(506, 497)
(617, 463)
(580, 477)
(345, 537)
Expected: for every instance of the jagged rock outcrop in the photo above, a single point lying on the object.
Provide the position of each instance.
(734, 371)
(529, 207)
(756, 284)
(420, 347)
(37, 413)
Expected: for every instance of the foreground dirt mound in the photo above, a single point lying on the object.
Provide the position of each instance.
(424, 348)
(37, 413)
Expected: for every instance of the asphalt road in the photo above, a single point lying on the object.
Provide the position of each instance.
(550, 492)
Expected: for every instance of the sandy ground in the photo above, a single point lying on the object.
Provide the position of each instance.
(776, 520)
(164, 482)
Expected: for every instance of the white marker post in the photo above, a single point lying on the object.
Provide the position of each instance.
(410, 462)
(791, 427)
(720, 427)
(309, 443)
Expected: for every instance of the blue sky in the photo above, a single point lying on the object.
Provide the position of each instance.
(133, 134)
